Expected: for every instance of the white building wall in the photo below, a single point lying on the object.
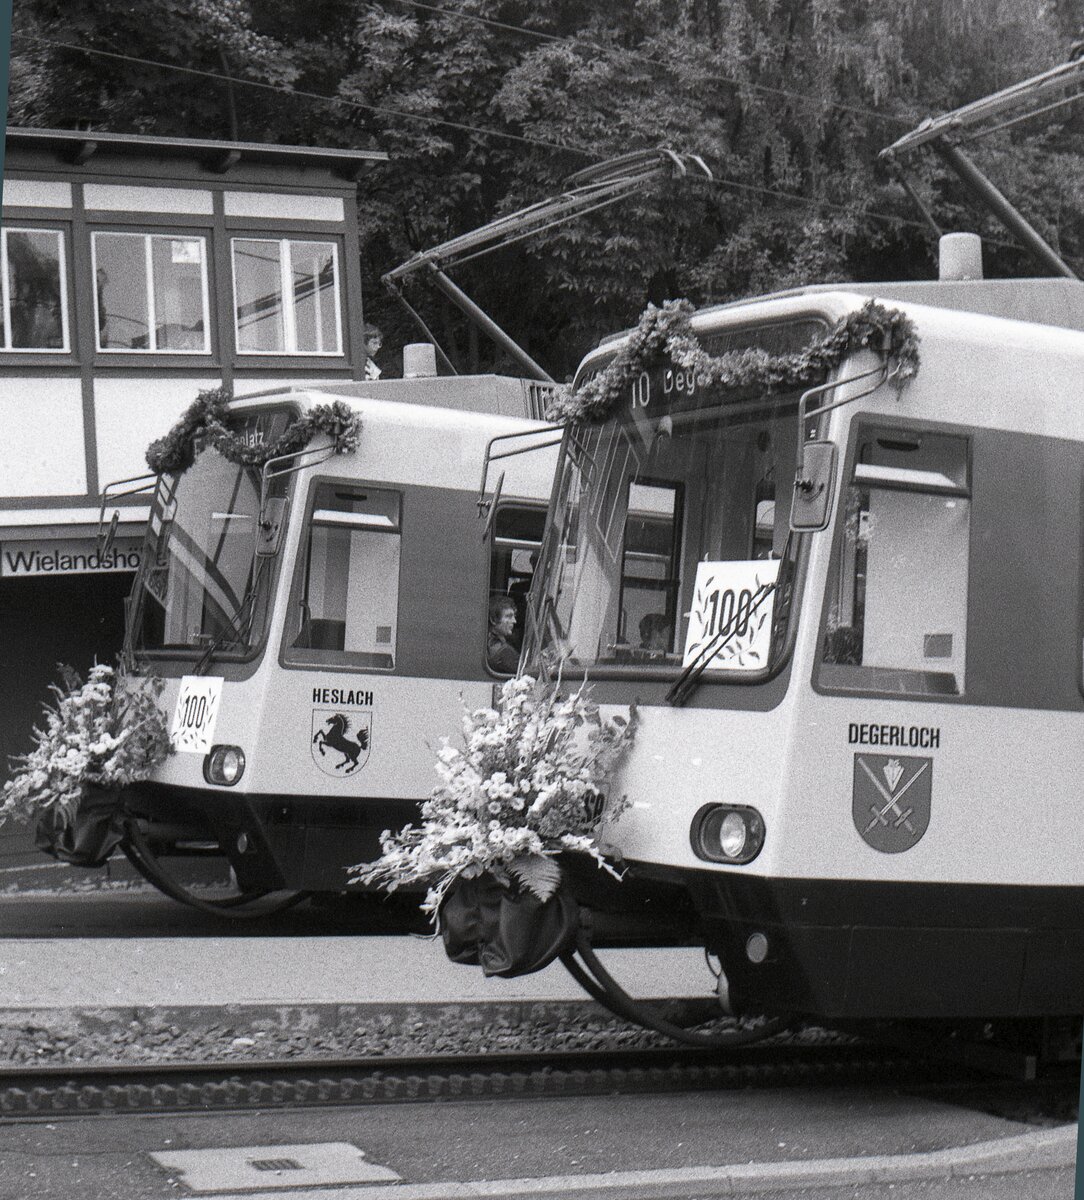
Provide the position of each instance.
(41, 451)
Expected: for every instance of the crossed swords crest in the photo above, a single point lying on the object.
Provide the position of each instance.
(896, 813)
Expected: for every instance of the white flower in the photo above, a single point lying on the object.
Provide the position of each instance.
(517, 786)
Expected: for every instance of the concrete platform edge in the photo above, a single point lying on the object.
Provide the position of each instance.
(1040, 1150)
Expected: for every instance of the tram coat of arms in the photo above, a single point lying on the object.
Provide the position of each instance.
(891, 800)
(341, 740)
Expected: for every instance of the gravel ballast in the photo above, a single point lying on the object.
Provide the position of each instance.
(253, 1033)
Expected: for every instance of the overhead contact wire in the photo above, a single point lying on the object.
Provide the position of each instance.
(306, 95)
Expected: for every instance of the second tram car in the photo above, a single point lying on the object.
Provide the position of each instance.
(861, 737)
(310, 672)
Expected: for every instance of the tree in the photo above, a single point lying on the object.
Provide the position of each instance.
(486, 105)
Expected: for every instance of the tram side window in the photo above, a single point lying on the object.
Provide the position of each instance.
(35, 298)
(286, 296)
(150, 293)
(517, 539)
(897, 599)
(349, 596)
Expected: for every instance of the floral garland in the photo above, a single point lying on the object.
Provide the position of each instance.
(206, 418)
(668, 330)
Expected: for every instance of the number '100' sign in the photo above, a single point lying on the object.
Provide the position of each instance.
(732, 610)
(196, 713)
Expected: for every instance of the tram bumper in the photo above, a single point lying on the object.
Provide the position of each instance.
(865, 949)
(272, 842)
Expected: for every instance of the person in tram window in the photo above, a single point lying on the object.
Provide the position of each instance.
(655, 634)
(374, 339)
(501, 652)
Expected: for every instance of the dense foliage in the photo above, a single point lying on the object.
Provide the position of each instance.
(489, 104)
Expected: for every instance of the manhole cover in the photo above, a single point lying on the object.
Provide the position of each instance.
(230, 1168)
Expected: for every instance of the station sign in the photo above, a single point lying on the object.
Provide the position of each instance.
(67, 556)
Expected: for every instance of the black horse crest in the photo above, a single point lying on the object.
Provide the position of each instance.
(340, 741)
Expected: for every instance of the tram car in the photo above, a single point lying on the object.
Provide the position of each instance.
(851, 617)
(319, 623)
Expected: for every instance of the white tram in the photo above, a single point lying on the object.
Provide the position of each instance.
(868, 803)
(310, 669)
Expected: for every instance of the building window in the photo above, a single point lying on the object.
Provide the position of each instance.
(35, 295)
(897, 603)
(150, 293)
(349, 597)
(286, 296)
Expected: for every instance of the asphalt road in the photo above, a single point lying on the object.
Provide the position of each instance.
(654, 1144)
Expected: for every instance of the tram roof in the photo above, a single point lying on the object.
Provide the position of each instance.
(978, 367)
(477, 424)
(499, 396)
(1055, 302)
(432, 445)
(1049, 308)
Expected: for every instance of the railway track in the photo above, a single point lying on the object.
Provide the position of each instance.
(52, 1091)
(55, 1090)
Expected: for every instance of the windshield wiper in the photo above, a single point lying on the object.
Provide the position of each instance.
(685, 684)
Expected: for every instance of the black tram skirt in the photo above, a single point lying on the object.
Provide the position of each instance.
(858, 949)
(302, 843)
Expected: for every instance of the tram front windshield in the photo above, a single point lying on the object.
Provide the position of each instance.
(203, 585)
(670, 540)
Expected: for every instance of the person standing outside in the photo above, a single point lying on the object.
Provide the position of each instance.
(374, 339)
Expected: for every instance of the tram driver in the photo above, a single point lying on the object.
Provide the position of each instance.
(501, 652)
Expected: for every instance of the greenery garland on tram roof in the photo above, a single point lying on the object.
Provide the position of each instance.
(668, 331)
(206, 418)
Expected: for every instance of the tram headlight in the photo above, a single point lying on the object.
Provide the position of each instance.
(728, 833)
(733, 835)
(224, 765)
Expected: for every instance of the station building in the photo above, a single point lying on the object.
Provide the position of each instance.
(136, 272)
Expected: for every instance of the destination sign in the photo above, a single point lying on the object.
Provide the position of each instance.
(67, 556)
(665, 387)
(261, 428)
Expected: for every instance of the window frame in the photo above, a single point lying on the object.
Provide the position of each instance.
(206, 242)
(670, 585)
(62, 234)
(532, 506)
(795, 565)
(861, 427)
(289, 317)
(288, 653)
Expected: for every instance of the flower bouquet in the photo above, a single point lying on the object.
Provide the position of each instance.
(100, 736)
(529, 783)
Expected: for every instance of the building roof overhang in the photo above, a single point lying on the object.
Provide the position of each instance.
(77, 146)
